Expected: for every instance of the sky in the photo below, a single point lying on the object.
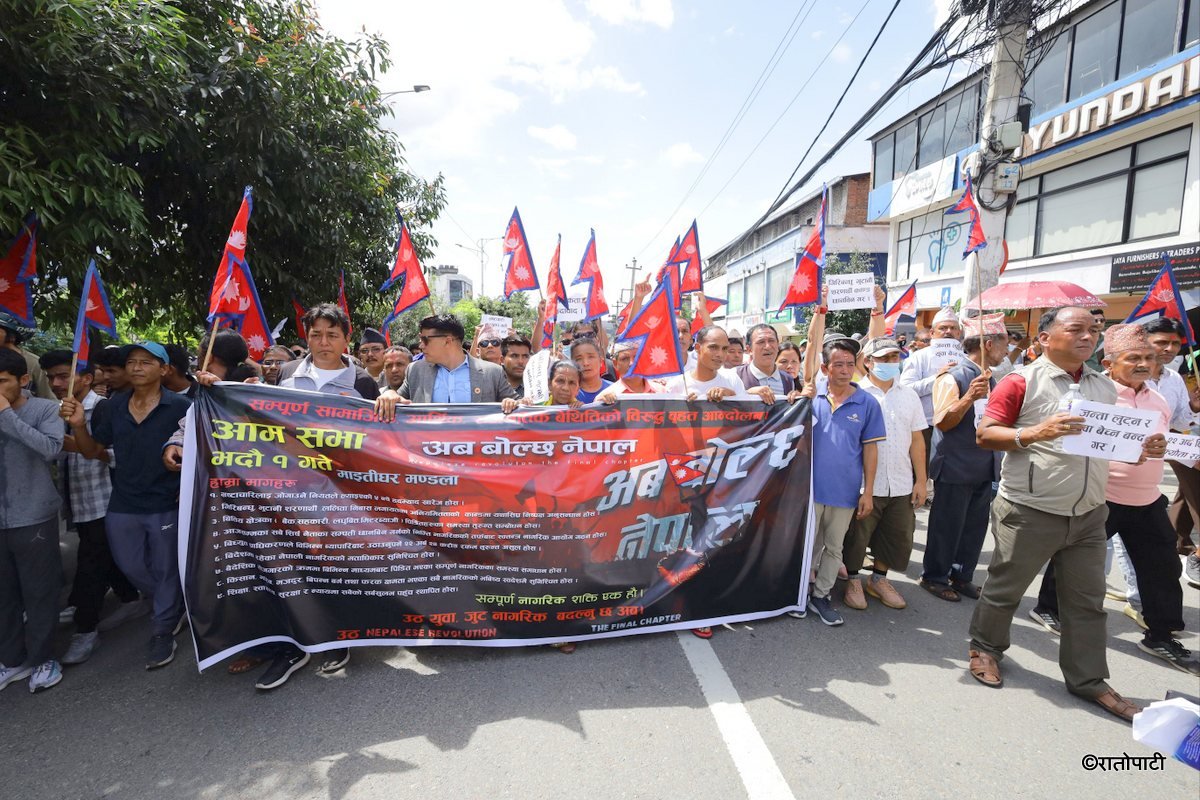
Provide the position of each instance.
(604, 113)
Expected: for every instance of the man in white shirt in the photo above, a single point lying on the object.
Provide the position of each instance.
(889, 527)
(709, 379)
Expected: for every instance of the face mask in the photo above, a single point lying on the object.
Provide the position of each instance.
(886, 372)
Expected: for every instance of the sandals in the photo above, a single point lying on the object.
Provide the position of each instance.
(565, 648)
(1116, 705)
(244, 664)
(940, 591)
(985, 669)
(702, 633)
(965, 588)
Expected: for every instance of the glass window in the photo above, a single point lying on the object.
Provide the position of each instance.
(1028, 188)
(1094, 62)
(932, 133)
(1149, 35)
(1047, 86)
(906, 151)
(883, 161)
(962, 120)
(1086, 170)
(778, 279)
(1019, 230)
(1191, 24)
(736, 303)
(1171, 144)
(756, 300)
(1090, 216)
(1157, 200)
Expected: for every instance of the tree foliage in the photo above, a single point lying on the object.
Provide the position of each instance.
(131, 128)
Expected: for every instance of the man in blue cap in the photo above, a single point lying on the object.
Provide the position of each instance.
(144, 507)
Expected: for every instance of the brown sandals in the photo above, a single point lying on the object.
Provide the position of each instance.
(1116, 705)
(985, 669)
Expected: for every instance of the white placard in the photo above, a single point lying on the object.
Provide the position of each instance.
(1111, 432)
(576, 312)
(537, 377)
(1183, 448)
(851, 291)
(943, 351)
(980, 406)
(494, 326)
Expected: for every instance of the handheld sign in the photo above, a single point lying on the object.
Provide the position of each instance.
(495, 325)
(537, 377)
(851, 291)
(1111, 432)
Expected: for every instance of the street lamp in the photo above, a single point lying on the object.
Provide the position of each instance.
(482, 256)
(413, 90)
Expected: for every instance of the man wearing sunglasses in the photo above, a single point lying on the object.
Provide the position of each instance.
(370, 353)
(447, 374)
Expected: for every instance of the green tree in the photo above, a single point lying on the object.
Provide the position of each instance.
(131, 128)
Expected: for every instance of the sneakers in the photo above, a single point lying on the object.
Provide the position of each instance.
(1134, 615)
(1172, 652)
(825, 611)
(124, 613)
(1191, 570)
(881, 589)
(801, 614)
(161, 651)
(67, 615)
(13, 674)
(1046, 620)
(179, 624)
(334, 660)
(854, 597)
(81, 648)
(45, 676)
(281, 668)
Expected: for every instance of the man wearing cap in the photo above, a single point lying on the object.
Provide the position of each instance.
(899, 485)
(847, 427)
(1051, 506)
(920, 369)
(12, 333)
(144, 506)
(1137, 510)
(370, 353)
(962, 471)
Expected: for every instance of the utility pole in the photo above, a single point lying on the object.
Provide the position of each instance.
(1013, 19)
(633, 271)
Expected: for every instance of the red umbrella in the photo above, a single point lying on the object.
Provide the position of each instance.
(1036, 294)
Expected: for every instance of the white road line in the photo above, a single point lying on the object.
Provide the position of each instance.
(755, 764)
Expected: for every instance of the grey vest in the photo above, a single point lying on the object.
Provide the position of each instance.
(956, 458)
(1039, 476)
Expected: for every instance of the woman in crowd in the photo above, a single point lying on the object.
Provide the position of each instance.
(788, 360)
(588, 356)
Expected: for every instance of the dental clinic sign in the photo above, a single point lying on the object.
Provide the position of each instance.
(1163, 88)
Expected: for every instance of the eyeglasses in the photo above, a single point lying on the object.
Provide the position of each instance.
(489, 343)
(425, 340)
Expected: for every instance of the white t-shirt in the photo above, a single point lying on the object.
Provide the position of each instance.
(324, 376)
(726, 379)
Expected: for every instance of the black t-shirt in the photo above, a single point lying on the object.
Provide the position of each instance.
(140, 482)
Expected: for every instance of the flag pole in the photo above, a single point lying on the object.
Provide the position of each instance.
(75, 365)
(212, 337)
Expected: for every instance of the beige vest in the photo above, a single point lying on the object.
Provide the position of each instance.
(1041, 477)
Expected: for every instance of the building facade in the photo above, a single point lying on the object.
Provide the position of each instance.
(1109, 165)
(753, 277)
(448, 284)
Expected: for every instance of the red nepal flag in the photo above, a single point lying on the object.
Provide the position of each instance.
(235, 249)
(341, 301)
(653, 327)
(589, 273)
(387, 332)
(623, 319)
(94, 312)
(556, 293)
(18, 268)
(670, 273)
(300, 311)
(408, 273)
(1163, 297)
(805, 288)
(905, 306)
(711, 304)
(966, 204)
(234, 299)
(519, 274)
(688, 254)
(671, 259)
(681, 473)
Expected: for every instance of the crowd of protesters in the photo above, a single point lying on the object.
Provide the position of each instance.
(977, 441)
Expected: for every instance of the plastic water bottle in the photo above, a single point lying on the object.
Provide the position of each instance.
(1069, 404)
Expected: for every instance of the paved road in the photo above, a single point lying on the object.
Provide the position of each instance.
(881, 707)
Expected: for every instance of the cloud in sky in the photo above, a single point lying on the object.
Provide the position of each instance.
(557, 136)
(681, 154)
(841, 53)
(620, 12)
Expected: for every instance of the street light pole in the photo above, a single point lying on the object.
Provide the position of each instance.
(414, 90)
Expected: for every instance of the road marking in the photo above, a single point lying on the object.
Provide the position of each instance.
(755, 764)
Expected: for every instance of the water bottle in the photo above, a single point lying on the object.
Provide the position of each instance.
(1068, 404)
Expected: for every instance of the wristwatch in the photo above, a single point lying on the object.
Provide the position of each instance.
(1017, 440)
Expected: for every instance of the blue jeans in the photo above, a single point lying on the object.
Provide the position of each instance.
(146, 549)
(958, 524)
